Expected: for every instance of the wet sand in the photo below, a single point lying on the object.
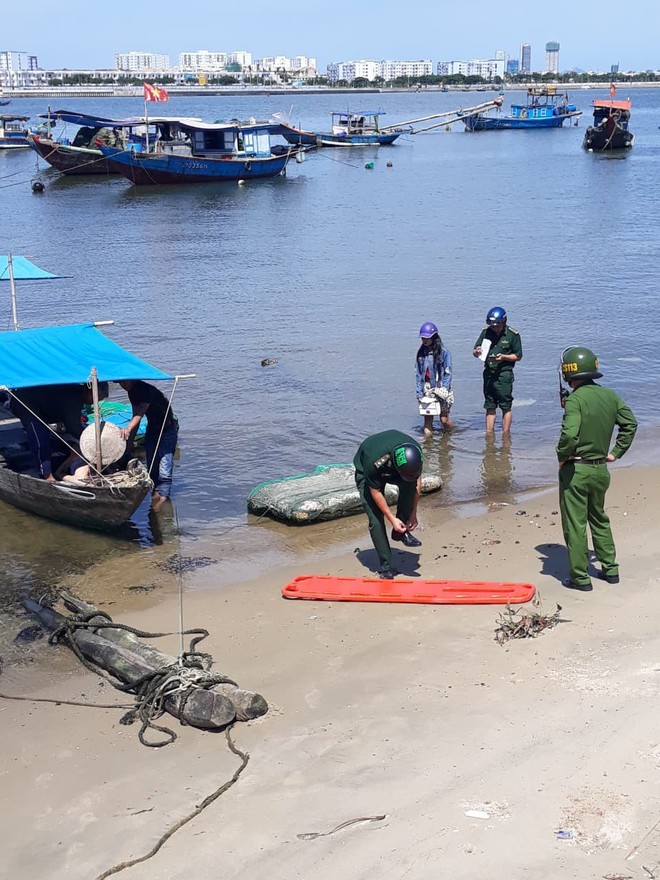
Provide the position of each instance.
(411, 712)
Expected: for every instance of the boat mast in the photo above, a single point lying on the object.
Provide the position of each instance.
(97, 419)
(12, 286)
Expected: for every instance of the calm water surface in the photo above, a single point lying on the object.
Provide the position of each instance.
(331, 271)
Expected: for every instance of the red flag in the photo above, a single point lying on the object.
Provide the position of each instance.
(612, 90)
(155, 93)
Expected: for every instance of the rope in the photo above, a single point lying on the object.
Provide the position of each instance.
(178, 680)
(244, 756)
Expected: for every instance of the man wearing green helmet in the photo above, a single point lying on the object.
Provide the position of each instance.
(389, 457)
(591, 413)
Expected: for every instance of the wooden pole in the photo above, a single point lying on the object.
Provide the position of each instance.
(12, 287)
(97, 420)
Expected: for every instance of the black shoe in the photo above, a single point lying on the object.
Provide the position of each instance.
(387, 574)
(610, 578)
(571, 585)
(406, 538)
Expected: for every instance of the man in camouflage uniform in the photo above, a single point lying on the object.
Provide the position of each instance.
(500, 347)
(591, 412)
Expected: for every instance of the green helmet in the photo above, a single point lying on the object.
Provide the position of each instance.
(578, 362)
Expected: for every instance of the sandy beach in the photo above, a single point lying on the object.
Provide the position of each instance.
(408, 712)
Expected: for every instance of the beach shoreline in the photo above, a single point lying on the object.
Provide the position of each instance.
(410, 712)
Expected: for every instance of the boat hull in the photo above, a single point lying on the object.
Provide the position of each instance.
(70, 160)
(102, 508)
(486, 123)
(327, 139)
(597, 140)
(14, 143)
(153, 168)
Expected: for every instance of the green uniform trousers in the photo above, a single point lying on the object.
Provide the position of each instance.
(582, 489)
(498, 390)
(377, 528)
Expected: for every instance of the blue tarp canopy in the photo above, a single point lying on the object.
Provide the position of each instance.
(73, 118)
(63, 355)
(23, 270)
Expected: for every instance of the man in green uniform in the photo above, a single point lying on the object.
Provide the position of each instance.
(389, 457)
(500, 348)
(590, 414)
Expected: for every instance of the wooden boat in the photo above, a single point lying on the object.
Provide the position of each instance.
(81, 154)
(13, 132)
(225, 151)
(5, 103)
(104, 507)
(359, 129)
(67, 355)
(610, 127)
(545, 108)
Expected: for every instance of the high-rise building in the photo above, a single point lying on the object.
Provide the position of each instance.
(140, 61)
(203, 60)
(552, 57)
(485, 68)
(513, 67)
(525, 58)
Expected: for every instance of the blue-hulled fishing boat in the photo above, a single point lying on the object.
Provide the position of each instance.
(77, 151)
(205, 152)
(358, 129)
(610, 127)
(544, 108)
(13, 132)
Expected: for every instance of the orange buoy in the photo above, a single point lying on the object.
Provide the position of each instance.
(422, 592)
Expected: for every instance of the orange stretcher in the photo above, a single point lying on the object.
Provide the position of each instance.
(355, 589)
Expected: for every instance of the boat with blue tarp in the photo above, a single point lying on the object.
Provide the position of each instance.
(348, 129)
(13, 132)
(544, 108)
(69, 141)
(204, 152)
(46, 375)
(35, 361)
(610, 126)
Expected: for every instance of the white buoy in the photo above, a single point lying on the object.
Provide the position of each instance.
(241, 183)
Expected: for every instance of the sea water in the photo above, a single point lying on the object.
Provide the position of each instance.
(331, 271)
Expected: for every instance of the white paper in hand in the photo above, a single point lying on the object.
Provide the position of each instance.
(485, 348)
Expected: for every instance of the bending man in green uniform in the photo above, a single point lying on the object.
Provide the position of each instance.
(389, 457)
(590, 414)
(500, 348)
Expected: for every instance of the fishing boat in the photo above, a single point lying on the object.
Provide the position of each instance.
(545, 108)
(203, 153)
(5, 103)
(13, 132)
(80, 153)
(610, 127)
(359, 129)
(72, 356)
(67, 355)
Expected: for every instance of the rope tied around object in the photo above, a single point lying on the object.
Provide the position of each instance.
(192, 671)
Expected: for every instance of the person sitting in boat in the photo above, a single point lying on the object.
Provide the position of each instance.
(45, 405)
(434, 375)
(160, 438)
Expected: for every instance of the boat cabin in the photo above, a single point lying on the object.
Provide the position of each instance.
(543, 103)
(618, 111)
(360, 122)
(13, 131)
(228, 140)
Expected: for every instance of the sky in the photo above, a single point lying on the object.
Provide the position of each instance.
(89, 35)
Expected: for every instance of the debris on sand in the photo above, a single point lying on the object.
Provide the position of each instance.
(521, 623)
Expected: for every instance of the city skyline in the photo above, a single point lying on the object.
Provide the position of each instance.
(345, 30)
